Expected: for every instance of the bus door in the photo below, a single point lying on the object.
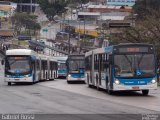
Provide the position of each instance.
(34, 70)
(37, 69)
(43, 69)
(110, 72)
(90, 69)
(99, 69)
(103, 70)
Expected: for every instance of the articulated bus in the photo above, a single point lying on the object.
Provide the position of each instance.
(48, 67)
(122, 67)
(62, 68)
(75, 68)
(24, 65)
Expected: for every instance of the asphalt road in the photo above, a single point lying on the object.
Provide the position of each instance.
(72, 101)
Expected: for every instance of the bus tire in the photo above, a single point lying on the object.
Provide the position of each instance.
(90, 86)
(33, 82)
(97, 84)
(145, 92)
(68, 82)
(9, 83)
(88, 82)
(110, 92)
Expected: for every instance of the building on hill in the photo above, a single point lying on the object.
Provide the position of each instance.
(121, 2)
(108, 8)
(25, 5)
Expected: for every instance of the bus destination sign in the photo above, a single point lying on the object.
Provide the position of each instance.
(134, 49)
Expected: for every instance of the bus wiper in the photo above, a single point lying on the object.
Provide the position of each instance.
(12, 62)
(128, 61)
(139, 61)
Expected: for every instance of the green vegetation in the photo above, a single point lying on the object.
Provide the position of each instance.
(53, 8)
(58, 7)
(147, 25)
(25, 22)
(145, 7)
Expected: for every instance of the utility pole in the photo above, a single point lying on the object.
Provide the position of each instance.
(20, 5)
(31, 7)
(69, 38)
(84, 28)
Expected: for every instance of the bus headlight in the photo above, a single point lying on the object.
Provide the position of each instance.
(26, 76)
(29, 75)
(153, 81)
(8, 76)
(69, 75)
(117, 82)
(86, 75)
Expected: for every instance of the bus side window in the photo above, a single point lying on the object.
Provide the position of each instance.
(87, 63)
(110, 59)
(2, 62)
(37, 64)
(105, 62)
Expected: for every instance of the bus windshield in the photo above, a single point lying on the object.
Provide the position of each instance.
(17, 65)
(134, 65)
(62, 66)
(76, 66)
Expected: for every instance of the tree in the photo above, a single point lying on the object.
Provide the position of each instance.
(25, 21)
(145, 7)
(52, 8)
(55, 7)
(146, 31)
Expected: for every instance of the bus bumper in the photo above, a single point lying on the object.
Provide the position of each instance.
(25, 79)
(61, 75)
(75, 79)
(134, 87)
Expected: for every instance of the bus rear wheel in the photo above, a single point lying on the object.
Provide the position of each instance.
(145, 92)
(110, 92)
(9, 83)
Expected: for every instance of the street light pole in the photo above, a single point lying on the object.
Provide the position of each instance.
(79, 30)
(84, 29)
(31, 6)
(69, 43)
(69, 38)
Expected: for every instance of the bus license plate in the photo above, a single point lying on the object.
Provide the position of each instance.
(79, 79)
(16, 79)
(135, 88)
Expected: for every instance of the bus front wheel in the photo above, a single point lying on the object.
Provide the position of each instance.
(9, 83)
(90, 86)
(110, 92)
(145, 92)
(68, 82)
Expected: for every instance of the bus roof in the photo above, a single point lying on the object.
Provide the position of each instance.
(61, 58)
(110, 49)
(29, 52)
(21, 52)
(50, 58)
(133, 44)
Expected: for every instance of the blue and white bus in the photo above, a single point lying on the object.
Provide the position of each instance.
(62, 68)
(75, 68)
(122, 67)
(24, 65)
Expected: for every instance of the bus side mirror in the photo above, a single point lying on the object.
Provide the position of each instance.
(67, 64)
(2, 62)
